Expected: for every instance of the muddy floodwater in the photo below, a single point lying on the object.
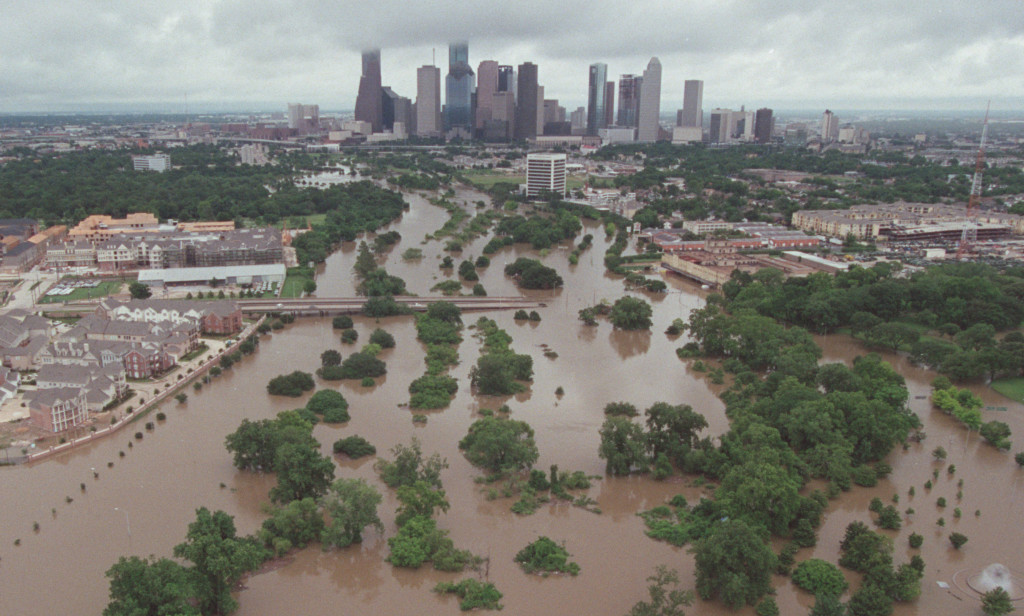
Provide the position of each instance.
(143, 504)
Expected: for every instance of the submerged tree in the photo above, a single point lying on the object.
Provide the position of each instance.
(666, 597)
(219, 559)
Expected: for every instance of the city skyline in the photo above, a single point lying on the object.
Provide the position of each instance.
(258, 55)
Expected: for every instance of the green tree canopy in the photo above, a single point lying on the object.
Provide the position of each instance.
(149, 587)
(733, 564)
(666, 598)
(301, 473)
(500, 445)
(139, 290)
(351, 506)
(631, 313)
(219, 559)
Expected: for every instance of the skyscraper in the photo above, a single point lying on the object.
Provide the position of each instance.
(501, 126)
(540, 110)
(829, 127)
(578, 121)
(507, 79)
(458, 101)
(718, 132)
(629, 99)
(486, 88)
(303, 118)
(596, 92)
(648, 128)
(428, 101)
(368, 100)
(693, 98)
(609, 104)
(763, 125)
(526, 107)
(394, 108)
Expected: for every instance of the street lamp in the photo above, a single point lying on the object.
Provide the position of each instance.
(127, 523)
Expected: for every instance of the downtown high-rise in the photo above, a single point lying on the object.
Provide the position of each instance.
(629, 100)
(648, 127)
(486, 88)
(526, 97)
(459, 84)
(692, 113)
(597, 98)
(369, 102)
(428, 101)
(763, 125)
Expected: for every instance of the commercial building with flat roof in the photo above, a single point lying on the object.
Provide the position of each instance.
(155, 162)
(545, 172)
(238, 274)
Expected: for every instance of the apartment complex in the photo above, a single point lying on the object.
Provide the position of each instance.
(155, 249)
(906, 221)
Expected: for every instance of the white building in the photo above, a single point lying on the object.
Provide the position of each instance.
(687, 134)
(156, 162)
(617, 134)
(545, 172)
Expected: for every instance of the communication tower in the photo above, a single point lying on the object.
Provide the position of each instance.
(970, 233)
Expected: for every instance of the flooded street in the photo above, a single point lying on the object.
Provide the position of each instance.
(144, 503)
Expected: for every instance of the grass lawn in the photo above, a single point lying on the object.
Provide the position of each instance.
(312, 219)
(105, 288)
(293, 286)
(1011, 388)
(487, 179)
(573, 182)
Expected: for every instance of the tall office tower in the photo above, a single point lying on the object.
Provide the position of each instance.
(747, 134)
(596, 92)
(294, 115)
(486, 87)
(578, 121)
(553, 112)
(545, 172)
(501, 126)
(648, 127)
(829, 127)
(609, 104)
(458, 101)
(507, 79)
(763, 125)
(428, 101)
(394, 108)
(303, 118)
(718, 132)
(540, 110)
(368, 101)
(629, 99)
(526, 95)
(693, 98)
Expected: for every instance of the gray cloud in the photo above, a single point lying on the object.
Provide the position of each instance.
(63, 54)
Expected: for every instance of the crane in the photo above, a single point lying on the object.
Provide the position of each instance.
(970, 233)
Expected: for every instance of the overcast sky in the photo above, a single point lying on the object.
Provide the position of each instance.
(60, 55)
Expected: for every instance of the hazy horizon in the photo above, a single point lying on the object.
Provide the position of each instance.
(74, 55)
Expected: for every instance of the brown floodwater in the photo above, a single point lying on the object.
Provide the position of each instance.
(143, 504)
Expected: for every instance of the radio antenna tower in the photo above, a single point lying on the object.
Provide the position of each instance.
(970, 233)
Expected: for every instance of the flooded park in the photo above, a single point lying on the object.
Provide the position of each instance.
(142, 502)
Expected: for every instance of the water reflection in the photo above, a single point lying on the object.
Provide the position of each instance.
(182, 464)
(630, 343)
